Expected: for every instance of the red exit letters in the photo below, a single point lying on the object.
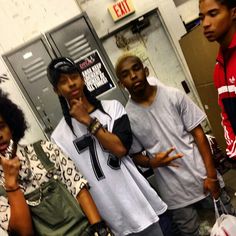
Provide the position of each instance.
(121, 9)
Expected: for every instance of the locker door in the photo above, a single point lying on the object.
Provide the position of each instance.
(78, 40)
(28, 65)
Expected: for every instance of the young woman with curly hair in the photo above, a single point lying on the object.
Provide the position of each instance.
(25, 173)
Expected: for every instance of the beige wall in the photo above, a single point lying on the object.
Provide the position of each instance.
(188, 9)
(104, 24)
(21, 21)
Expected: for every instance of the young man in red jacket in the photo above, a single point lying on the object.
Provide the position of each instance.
(218, 18)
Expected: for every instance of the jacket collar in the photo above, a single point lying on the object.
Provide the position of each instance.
(232, 45)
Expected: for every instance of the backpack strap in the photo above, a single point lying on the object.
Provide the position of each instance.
(41, 155)
(3, 191)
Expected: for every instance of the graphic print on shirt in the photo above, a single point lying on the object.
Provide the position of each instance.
(87, 141)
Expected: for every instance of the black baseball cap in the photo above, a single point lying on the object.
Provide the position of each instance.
(58, 66)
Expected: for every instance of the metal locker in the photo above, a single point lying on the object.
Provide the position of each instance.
(78, 40)
(28, 65)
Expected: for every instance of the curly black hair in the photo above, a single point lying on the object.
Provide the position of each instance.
(13, 116)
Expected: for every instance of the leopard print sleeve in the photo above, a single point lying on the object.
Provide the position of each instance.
(69, 174)
(4, 213)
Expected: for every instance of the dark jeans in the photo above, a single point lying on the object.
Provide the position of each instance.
(166, 223)
(152, 230)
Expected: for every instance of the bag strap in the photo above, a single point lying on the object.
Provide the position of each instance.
(217, 214)
(223, 209)
(3, 191)
(41, 155)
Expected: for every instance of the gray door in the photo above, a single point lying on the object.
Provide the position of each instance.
(77, 39)
(28, 65)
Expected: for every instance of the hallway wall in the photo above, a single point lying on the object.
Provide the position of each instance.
(21, 21)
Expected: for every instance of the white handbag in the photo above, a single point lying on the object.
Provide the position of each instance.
(225, 224)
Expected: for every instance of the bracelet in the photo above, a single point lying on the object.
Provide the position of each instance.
(96, 127)
(212, 179)
(12, 190)
(92, 124)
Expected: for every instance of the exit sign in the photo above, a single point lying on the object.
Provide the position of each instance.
(121, 9)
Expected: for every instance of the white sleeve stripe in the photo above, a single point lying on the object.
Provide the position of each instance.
(225, 89)
(230, 154)
(226, 133)
(232, 151)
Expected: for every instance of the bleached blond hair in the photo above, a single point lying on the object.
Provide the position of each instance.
(122, 58)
